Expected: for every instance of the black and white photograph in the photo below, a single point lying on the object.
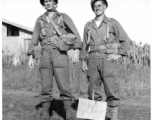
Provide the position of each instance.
(76, 60)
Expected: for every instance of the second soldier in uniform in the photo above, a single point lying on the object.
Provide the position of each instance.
(104, 42)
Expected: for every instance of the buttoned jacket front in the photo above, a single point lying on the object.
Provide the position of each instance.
(98, 35)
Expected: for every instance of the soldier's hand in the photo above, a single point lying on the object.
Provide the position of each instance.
(31, 62)
(76, 56)
(84, 66)
(113, 57)
(71, 55)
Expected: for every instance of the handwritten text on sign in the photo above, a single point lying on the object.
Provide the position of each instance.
(90, 109)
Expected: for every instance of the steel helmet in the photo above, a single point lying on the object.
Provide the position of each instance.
(104, 2)
(42, 2)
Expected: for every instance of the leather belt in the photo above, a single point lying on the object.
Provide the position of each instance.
(98, 48)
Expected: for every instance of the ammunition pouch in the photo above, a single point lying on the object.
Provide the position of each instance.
(63, 43)
(66, 41)
(51, 41)
(37, 52)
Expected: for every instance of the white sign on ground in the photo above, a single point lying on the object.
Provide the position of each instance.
(91, 109)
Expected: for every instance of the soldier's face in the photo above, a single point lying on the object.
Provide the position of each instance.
(49, 4)
(99, 8)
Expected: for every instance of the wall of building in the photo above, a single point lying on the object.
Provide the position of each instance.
(17, 44)
(4, 30)
(24, 34)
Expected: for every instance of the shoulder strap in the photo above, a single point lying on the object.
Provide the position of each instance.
(60, 18)
(108, 27)
(89, 27)
(49, 19)
(107, 31)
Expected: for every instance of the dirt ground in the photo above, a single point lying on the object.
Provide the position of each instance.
(21, 105)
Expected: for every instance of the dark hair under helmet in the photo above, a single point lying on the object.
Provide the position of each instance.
(104, 2)
(42, 2)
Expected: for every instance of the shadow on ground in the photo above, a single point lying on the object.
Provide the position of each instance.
(25, 107)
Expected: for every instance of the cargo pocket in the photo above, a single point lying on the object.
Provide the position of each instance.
(60, 58)
(45, 61)
(92, 68)
(110, 68)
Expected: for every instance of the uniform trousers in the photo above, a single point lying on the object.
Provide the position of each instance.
(100, 70)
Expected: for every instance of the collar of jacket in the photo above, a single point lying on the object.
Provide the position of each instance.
(56, 14)
(105, 20)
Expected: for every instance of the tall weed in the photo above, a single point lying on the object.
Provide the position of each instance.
(133, 74)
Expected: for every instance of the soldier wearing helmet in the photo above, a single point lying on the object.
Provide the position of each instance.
(104, 42)
(42, 2)
(57, 34)
(104, 2)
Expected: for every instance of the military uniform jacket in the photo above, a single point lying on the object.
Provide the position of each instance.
(67, 24)
(97, 36)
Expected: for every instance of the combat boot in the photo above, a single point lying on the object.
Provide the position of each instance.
(45, 111)
(112, 113)
(108, 117)
(68, 109)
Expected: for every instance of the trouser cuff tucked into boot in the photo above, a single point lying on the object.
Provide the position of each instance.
(112, 113)
(68, 109)
(45, 110)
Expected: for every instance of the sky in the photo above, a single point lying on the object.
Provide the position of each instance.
(133, 15)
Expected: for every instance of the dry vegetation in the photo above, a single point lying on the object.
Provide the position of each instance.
(133, 73)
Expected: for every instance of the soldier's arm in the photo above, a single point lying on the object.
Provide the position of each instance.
(70, 24)
(35, 37)
(83, 54)
(122, 37)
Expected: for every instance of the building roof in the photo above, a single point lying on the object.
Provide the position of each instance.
(16, 25)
